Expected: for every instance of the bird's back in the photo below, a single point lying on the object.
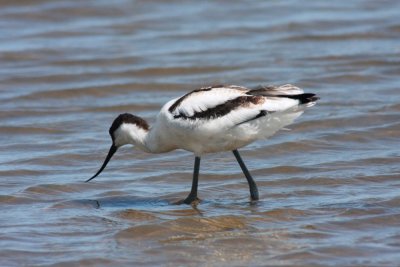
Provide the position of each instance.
(221, 118)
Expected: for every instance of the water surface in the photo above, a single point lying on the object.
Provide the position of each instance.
(329, 188)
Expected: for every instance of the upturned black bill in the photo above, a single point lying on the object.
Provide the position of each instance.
(113, 149)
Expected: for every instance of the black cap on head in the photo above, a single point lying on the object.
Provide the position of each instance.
(127, 118)
(122, 118)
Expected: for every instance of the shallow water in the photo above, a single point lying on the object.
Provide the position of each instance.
(329, 188)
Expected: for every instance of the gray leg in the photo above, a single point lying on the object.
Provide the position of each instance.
(250, 181)
(193, 193)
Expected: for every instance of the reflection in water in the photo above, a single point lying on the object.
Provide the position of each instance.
(328, 189)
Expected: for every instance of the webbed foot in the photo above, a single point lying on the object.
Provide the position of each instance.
(190, 200)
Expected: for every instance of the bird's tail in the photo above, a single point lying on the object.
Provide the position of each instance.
(285, 91)
(306, 98)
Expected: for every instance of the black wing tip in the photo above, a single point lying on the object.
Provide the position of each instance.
(303, 98)
(309, 98)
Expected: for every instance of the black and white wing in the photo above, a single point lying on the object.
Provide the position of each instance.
(206, 103)
(234, 105)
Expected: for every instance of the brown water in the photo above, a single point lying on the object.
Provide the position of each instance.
(329, 188)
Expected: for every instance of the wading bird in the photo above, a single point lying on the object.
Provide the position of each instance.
(212, 119)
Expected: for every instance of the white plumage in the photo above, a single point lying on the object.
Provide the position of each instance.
(228, 132)
(213, 119)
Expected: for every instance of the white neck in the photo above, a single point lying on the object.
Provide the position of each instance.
(147, 140)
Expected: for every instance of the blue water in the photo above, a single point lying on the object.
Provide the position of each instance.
(329, 187)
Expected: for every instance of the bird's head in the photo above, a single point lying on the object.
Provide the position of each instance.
(126, 129)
